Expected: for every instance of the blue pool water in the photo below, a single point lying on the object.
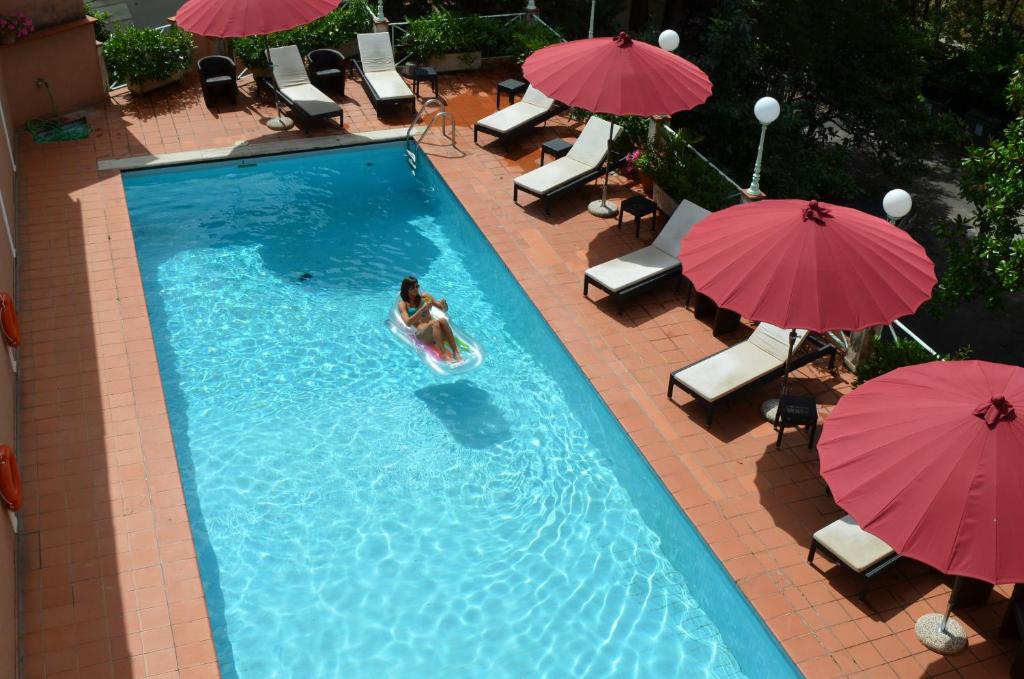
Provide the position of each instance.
(357, 515)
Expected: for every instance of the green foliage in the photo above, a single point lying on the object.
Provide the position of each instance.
(528, 37)
(889, 354)
(443, 32)
(844, 85)
(985, 253)
(682, 174)
(332, 30)
(103, 22)
(138, 54)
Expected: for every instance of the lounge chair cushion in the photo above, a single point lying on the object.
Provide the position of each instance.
(549, 177)
(378, 64)
(592, 145)
(375, 53)
(291, 79)
(586, 155)
(727, 371)
(533, 105)
(655, 259)
(849, 543)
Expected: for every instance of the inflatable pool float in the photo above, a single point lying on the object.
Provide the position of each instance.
(472, 354)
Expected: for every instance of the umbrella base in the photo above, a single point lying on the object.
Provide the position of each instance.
(929, 632)
(600, 208)
(280, 123)
(769, 408)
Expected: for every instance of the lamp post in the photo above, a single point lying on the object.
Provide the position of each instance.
(766, 110)
(897, 204)
(668, 40)
(593, 6)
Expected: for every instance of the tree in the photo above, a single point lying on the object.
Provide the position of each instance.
(985, 253)
(848, 75)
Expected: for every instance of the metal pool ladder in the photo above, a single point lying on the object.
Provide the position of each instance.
(441, 114)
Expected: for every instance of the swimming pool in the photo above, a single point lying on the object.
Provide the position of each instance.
(357, 515)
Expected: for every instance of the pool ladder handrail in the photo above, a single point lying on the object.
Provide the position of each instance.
(410, 142)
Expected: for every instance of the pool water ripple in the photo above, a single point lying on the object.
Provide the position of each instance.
(356, 515)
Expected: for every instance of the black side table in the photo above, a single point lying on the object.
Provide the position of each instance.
(556, 148)
(639, 207)
(421, 74)
(797, 411)
(512, 87)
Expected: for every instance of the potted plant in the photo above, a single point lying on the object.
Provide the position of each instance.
(103, 22)
(14, 26)
(448, 42)
(678, 173)
(530, 36)
(147, 58)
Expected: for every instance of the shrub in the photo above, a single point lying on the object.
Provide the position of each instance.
(103, 22)
(528, 37)
(682, 174)
(332, 30)
(138, 54)
(442, 32)
(889, 354)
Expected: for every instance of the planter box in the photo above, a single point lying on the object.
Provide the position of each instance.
(150, 85)
(464, 61)
(666, 203)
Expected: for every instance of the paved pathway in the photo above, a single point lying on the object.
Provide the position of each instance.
(109, 574)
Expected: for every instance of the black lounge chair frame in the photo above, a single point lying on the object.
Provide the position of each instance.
(217, 73)
(300, 112)
(865, 575)
(525, 126)
(822, 348)
(584, 178)
(327, 66)
(619, 296)
(374, 97)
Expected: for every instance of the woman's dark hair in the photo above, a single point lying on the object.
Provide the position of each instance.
(409, 282)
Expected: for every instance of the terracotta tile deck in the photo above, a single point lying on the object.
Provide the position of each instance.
(110, 581)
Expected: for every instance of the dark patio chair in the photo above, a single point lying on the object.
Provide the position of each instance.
(217, 75)
(327, 69)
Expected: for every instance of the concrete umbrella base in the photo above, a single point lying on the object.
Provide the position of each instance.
(600, 208)
(947, 642)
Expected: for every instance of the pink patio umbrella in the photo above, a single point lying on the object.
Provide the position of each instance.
(241, 18)
(807, 264)
(617, 76)
(930, 458)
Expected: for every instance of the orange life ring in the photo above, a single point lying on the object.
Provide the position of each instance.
(9, 320)
(10, 479)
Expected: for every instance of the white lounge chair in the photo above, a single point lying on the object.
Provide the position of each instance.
(534, 108)
(292, 84)
(376, 66)
(585, 161)
(645, 267)
(860, 551)
(759, 358)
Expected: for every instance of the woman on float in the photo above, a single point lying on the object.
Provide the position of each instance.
(414, 308)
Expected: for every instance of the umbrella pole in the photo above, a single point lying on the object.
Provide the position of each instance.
(770, 408)
(278, 122)
(602, 208)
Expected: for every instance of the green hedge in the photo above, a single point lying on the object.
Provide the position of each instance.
(137, 54)
(889, 354)
(681, 174)
(333, 30)
(443, 32)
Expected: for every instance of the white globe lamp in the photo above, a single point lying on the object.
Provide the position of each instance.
(668, 40)
(897, 204)
(767, 110)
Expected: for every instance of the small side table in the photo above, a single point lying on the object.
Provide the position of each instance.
(639, 207)
(556, 148)
(512, 88)
(424, 74)
(723, 320)
(797, 411)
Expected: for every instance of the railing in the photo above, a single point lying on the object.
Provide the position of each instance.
(401, 28)
(441, 114)
(671, 135)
